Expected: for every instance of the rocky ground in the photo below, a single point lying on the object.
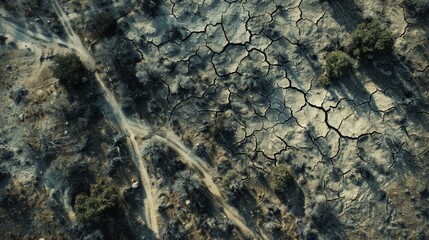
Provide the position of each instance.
(189, 105)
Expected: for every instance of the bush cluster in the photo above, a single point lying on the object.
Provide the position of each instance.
(188, 187)
(280, 178)
(338, 63)
(69, 70)
(232, 181)
(370, 39)
(367, 41)
(233, 185)
(94, 208)
(102, 25)
(173, 230)
(421, 6)
(163, 158)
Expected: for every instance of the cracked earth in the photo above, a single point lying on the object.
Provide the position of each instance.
(236, 83)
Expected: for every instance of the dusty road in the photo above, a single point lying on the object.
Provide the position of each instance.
(135, 130)
(131, 130)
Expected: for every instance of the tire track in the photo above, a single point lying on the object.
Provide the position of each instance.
(130, 129)
(138, 132)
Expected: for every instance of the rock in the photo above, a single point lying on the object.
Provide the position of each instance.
(66, 132)
(21, 117)
(135, 185)
(8, 67)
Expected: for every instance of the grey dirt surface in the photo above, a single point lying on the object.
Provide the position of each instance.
(212, 86)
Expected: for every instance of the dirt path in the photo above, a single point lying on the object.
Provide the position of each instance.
(136, 130)
(26, 35)
(173, 141)
(131, 129)
(74, 41)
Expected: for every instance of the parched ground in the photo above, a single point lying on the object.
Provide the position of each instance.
(198, 88)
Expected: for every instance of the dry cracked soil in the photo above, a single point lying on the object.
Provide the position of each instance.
(186, 108)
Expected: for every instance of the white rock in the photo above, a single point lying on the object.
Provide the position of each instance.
(21, 117)
(135, 185)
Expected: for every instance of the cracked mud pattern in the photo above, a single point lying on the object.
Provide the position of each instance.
(254, 64)
(237, 82)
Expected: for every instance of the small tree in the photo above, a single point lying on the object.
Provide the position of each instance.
(69, 70)
(370, 39)
(337, 64)
(93, 208)
(280, 178)
(102, 25)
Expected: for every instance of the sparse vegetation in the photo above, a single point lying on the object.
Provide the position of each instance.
(323, 217)
(152, 7)
(280, 178)
(337, 64)
(69, 70)
(102, 25)
(323, 79)
(163, 158)
(370, 39)
(94, 208)
(188, 187)
(173, 230)
(221, 130)
(255, 80)
(233, 185)
(421, 6)
(232, 181)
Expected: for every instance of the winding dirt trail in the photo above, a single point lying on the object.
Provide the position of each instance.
(26, 35)
(136, 131)
(188, 156)
(131, 129)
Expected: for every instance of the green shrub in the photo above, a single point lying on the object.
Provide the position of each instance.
(102, 25)
(280, 178)
(323, 79)
(337, 64)
(69, 70)
(370, 39)
(93, 208)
